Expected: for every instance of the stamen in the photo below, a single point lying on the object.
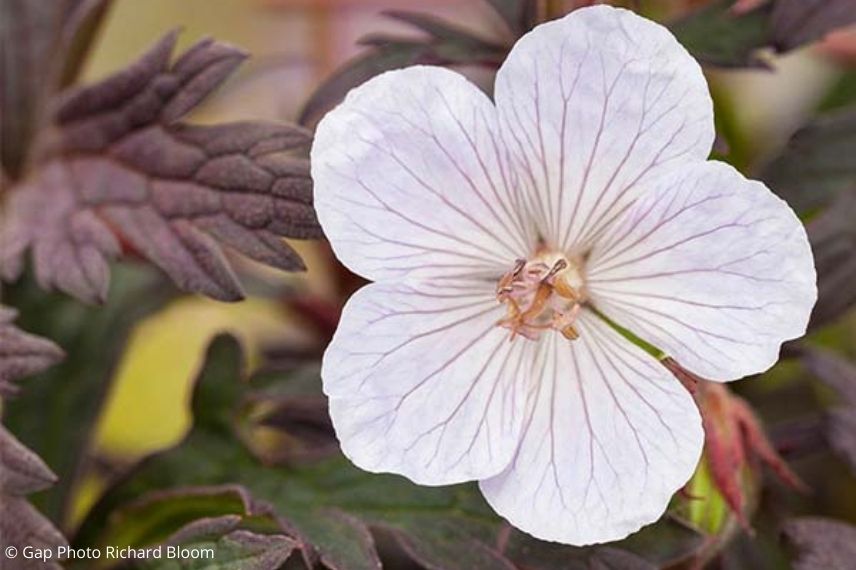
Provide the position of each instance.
(505, 284)
(558, 266)
(541, 294)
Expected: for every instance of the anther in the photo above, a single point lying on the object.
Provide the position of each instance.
(558, 266)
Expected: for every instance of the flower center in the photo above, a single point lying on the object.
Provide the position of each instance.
(542, 293)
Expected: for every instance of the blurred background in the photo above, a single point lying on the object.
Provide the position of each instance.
(295, 45)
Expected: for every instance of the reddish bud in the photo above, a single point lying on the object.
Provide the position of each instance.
(734, 439)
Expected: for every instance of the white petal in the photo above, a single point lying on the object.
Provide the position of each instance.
(593, 105)
(610, 436)
(410, 180)
(423, 383)
(709, 267)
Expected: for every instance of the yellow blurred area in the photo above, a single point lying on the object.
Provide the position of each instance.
(148, 406)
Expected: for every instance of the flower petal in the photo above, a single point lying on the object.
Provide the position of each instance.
(709, 267)
(423, 383)
(592, 105)
(410, 180)
(610, 436)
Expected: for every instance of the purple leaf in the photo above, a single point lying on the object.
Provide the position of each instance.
(816, 164)
(834, 370)
(43, 50)
(833, 240)
(22, 354)
(21, 471)
(208, 526)
(840, 375)
(822, 544)
(304, 429)
(124, 177)
(797, 22)
(841, 433)
(22, 525)
(443, 44)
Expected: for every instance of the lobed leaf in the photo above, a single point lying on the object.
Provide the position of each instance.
(822, 544)
(22, 354)
(22, 472)
(125, 176)
(21, 525)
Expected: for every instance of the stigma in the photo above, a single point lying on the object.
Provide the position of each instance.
(541, 294)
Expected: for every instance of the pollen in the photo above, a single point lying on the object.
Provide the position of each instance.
(542, 293)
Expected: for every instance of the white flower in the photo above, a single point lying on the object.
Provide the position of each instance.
(583, 189)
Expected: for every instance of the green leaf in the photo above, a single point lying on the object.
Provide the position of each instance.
(715, 36)
(216, 544)
(843, 92)
(330, 503)
(56, 412)
(158, 515)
